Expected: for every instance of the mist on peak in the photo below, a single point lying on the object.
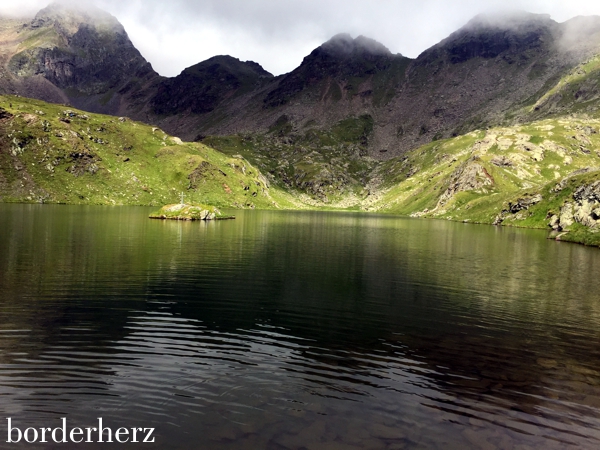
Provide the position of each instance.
(344, 45)
(580, 31)
(72, 14)
(508, 20)
(493, 34)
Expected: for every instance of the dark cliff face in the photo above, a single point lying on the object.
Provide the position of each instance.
(87, 63)
(201, 88)
(85, 52)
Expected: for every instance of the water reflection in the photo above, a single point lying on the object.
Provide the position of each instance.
(283, 330)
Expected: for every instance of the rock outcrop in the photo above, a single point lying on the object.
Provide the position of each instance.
(469, 177)
(515, 207)
(584, 208)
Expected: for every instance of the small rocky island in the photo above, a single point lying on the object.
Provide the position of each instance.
(181, 211)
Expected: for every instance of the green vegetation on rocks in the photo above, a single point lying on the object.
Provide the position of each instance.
(324, 168)
(182, 211)
(545, 174)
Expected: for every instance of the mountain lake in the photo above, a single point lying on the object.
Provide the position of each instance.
(297, 330)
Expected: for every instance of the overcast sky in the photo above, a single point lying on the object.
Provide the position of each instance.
(176, 34)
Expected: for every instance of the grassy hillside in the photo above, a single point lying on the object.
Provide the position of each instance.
(54, 154)
(540, 175)
(537, 175)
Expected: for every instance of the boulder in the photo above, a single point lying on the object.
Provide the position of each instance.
(583, 209)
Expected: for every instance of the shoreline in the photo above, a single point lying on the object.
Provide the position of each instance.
(580, 236)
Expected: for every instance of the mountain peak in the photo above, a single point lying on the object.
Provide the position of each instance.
(201, 88)
(343, 45)
(231, 65)
(82, 49)
(508, 20)
(491, 35)
(71, 15)
(580, 31)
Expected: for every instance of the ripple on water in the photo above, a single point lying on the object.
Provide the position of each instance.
(288, 330)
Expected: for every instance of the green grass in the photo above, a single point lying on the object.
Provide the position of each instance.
(566, 91)
(98, 159)
(581, 235)
(354, 129)
(46, 37)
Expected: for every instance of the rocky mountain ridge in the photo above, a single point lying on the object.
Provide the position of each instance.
(486, 73)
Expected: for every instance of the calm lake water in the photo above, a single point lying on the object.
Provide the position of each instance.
(292, 330)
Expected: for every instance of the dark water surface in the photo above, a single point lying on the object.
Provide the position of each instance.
(290, 330)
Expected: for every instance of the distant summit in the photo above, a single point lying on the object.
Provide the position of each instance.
(517, 21)
(488, 36)
(341, 58)
(343, 45)
(231, 65)
(202, 87)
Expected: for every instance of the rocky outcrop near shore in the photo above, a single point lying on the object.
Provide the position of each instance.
(583, 208)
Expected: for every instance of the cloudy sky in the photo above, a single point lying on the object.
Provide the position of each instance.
(277, 34)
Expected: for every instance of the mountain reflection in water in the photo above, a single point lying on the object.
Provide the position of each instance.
(299, 329)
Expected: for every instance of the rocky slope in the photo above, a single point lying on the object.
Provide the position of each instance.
(324, 168)
(201, 96)
(344, 78)
(201, 88)
(544, 174)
